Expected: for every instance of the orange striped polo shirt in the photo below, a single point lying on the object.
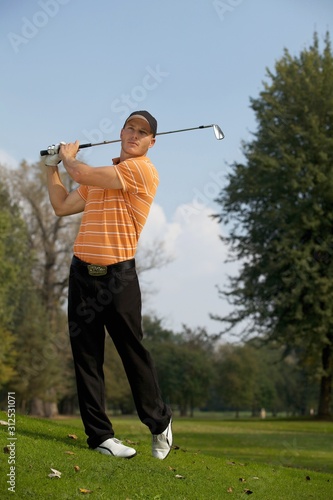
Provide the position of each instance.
(114, 218)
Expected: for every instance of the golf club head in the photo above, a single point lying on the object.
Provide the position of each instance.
(218, 132)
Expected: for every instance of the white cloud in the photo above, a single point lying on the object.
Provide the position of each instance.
(158, 228)
(7, 160)
(185, 290)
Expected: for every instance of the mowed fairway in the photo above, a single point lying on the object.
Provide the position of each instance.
(290, 443)
(211, 459)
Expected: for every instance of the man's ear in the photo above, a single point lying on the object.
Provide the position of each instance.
(152, 142)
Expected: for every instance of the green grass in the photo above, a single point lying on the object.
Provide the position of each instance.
(215, 459)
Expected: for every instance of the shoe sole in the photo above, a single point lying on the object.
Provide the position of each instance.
(111, 454)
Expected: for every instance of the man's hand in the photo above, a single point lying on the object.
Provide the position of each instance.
(52, 160)
(69, 151)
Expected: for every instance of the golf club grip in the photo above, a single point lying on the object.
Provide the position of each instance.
(44, 152)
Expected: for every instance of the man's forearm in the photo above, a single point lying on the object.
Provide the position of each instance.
(57, 191)
(77, 170)
(83, 174)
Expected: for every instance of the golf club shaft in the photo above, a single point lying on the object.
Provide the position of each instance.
(218, 134)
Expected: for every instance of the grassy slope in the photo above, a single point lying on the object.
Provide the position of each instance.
(277, 460)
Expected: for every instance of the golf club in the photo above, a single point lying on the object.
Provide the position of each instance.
(54, 149)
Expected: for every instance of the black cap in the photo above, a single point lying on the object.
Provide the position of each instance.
(148, 117)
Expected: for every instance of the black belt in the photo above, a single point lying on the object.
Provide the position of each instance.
(97, 270)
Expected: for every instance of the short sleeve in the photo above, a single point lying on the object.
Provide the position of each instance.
(136, 175)
(83, 192)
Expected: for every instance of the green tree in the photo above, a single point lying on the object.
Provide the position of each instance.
(252, 376)
(195, 372)
(183, 362)
(238, 374)
(279, 205)
(44, 372)
(14, 277)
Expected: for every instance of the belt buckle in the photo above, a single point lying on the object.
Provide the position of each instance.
(95, 270)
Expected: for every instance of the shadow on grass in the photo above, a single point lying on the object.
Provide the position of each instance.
(51, 431)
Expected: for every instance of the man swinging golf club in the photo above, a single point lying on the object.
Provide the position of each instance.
(104, 290)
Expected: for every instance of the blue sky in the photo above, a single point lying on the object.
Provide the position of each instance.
(74, 69)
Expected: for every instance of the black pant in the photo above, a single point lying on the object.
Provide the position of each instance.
(112, 301)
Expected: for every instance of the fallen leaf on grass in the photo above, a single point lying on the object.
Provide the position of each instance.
(308, 478)
(178, 476)
(83, 490)
(3, 422)
(248, 492)
(69, 452)
(72, 436)
(171, 468)
(55, 473)
(6, 449)
(230, 490)
(242, 480)
(76, 468)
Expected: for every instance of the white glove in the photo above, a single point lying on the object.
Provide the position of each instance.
(53, 159)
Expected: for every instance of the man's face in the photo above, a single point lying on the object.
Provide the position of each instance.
(136, 138)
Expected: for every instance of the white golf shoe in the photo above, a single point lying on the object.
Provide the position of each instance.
(115, 448)
(162, 443)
